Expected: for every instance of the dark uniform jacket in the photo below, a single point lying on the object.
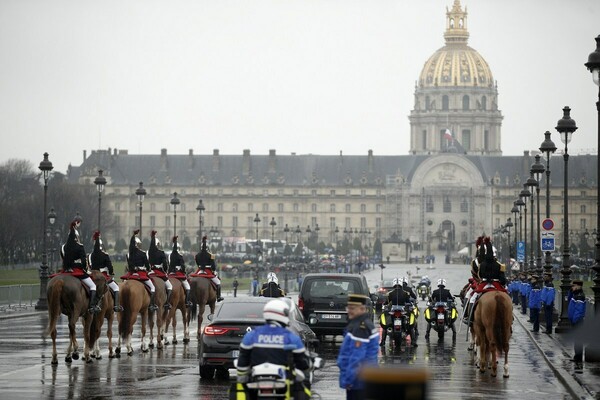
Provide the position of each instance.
(138, 259)
(492, 270)
(442, 294)
(409, 290)
(398, 297)
(176, 260)
(271, 289)
(74, 254)
(99, 259)
(156, 257)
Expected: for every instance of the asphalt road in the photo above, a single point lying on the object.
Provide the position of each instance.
(26, 372)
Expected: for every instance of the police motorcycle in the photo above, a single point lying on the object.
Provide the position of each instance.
(440, 316)
(401, 322)
(424, 288)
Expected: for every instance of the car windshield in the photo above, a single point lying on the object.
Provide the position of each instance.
(238, 310)
(332, 287)
(387, 284)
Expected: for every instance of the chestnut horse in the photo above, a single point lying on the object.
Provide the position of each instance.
(177, 303)
(66, 295)
(160, 298)
(492, 328)
(135, 300)
(202, 293)
(107, 313)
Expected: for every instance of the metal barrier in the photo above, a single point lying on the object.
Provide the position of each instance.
(15, 297)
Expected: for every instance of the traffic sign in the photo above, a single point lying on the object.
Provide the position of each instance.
(548, 224)
(520, 251)
(547, 241)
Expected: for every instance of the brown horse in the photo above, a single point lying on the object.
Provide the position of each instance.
(492, 328)
(160, 298)
(66, 295)
(177, 303)
(135, 300)
(202, 293)
(107, 313)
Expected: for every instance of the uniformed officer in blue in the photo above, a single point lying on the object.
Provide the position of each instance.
(273, 343)
(359, 348)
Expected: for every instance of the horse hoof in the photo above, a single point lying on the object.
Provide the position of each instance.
(130, 353)
(186, 340)
(174, 341)
(89, 361)
(144, 350)
(98, 357)
(111, 356)
(118, 355)
(151, 345)
(118, 350)
(54, 362)
(75, 356)
(505, 375)
(68, 360)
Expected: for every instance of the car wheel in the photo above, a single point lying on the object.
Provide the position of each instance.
(222, 373)
(207, 372)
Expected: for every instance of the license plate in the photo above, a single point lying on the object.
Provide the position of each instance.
(397, 322)
(440, 316)
(235, 353)
(331, 316)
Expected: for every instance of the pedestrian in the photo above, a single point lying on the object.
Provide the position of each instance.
(255, 285)
(523, 292)
(359, 347)
(576, 313)
(235, 287)
(535, 302)
(547, 297)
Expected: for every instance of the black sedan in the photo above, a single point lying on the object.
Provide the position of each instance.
(382, 291)
(221, 338)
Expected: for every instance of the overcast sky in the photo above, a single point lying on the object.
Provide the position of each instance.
(303, 76)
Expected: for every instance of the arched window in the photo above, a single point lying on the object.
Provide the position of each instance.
(483, 103)
(465, 103)
(445, 103)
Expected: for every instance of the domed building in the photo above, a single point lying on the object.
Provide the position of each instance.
(456, 98)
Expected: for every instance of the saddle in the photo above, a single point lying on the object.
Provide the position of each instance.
(157, 272)
(138, 275)
(487, 286)
(206, 273)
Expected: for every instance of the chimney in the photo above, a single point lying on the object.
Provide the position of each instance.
(370, 161)
(163, 159)
(246, 163)
(115, 152)
(84, 155)
(272, 162)
(191, 162)
(215, 160)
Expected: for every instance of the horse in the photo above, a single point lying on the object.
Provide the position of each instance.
(202, 293)
(107, 313)
(492, 327)
(66, 295)
(135, 300)
(160, 299)
(177, 303)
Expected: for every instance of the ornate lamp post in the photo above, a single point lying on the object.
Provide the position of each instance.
(507, 226)
(336, 239)
(565, 126)
(51, 221)
(100, 182)
(525, 194)
(531, 186)
(515, 211)
(175, 202)
(298, 235)
(317, 229)
(200, 208)
(286, 230)
(537, 169)
(308, 236)
(272, 223)
(548, 148)
(140, 192)
(520, 205)
(42, 304)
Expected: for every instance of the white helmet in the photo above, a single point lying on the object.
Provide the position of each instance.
(277, 310)
(396, 282)
(405, 280)
(441, 282)
(271, 277)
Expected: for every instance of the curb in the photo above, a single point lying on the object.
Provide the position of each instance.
(577, 390)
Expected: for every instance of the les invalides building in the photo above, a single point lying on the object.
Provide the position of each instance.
(453, 186)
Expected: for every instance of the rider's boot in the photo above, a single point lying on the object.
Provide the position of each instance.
(453, 332)
(467, 312)
(188, 303)
(152, 306)
(93, 308)
(383, 337)
(427, 333)
(167, 305)
(117, 307)
(219, 297)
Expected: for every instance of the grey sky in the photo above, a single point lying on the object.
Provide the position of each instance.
(304, 76)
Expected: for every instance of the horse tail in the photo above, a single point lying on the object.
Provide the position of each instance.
(499, 325)
(124, 325)
(53, 295)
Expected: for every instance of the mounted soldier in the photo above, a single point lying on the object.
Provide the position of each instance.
(159, 265)
(138, 267)
(206, 259)
(177, 269)
(100, 261)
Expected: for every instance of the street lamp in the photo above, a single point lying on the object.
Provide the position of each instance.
(298, 235)
(317, 229)
(515, 211)
(140, 192)
(537, 169)
(593, 65)
(525, 194)
(100, 182)
(548, 148)
(200, 208)
(531, 186)
(308, 236)
(51, 221)
(175, 202)
(336, 240)
(508, 225)
(286, 230)
(565, 126)
(272, 223)
(42, 304)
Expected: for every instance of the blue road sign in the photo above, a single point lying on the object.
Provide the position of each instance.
(520, 251)
(547, 241)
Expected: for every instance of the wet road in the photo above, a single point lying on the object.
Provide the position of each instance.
(26, 372)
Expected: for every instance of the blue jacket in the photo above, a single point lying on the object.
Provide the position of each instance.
(535, 297)
(548, 295)
(359, 348)
(576, 310)
(524, 288)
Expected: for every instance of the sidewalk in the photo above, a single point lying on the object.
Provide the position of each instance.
(581, 379)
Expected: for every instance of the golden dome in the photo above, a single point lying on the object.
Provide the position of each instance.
(456, 64)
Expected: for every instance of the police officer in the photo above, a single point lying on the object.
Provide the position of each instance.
(273, 343)
(535, 302)
(547, 296)
(205, 258)
(137, 262)
(272, 288)
(576, 314)
(397, 297)
(158, 262)
(359, 347)
(441, 294)
(100, 261)
(408, 289)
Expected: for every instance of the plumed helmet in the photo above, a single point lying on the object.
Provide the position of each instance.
(441, 282)
(97, 240)
(158, 244)
(176, 246)
(396, 282)
(277, 310)
(271, 277)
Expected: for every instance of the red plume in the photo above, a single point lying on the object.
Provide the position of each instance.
(153, 233)
(486, 240)
(175, 238)
(204, 238)
(73, 224)
(96, 235)
(479, 241)
(136, 231)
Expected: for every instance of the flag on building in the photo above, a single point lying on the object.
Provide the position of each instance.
(448, 135)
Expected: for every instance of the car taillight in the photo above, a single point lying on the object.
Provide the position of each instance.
(301, 303)
(382, 290)
(218, 330)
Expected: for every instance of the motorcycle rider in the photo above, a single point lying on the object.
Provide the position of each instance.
(408, 289)
(441, 294)
(397, 297)
(272, 288)
(276, 344)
